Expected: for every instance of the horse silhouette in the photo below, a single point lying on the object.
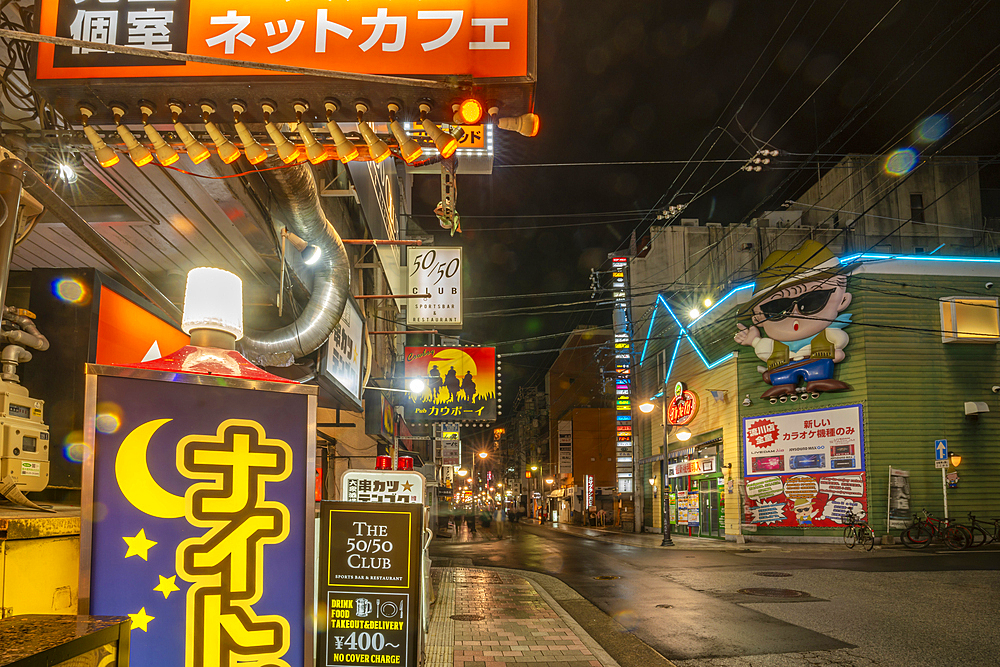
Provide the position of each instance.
(435, 383)
(451, 382)
(469, 385)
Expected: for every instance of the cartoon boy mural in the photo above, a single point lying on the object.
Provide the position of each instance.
(799, 301)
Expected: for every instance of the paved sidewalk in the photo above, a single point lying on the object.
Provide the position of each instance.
(493, 618)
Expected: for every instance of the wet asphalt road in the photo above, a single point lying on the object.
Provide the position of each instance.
(891, 607)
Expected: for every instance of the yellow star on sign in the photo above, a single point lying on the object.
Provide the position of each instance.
(139, 545)
(141, 620)
(167, 585)
(407, 486)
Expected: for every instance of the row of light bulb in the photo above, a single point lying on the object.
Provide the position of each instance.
(468, 112)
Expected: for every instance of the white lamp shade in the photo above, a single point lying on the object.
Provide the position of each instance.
(213, 299)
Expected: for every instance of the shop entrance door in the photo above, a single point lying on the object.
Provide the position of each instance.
(708, 500)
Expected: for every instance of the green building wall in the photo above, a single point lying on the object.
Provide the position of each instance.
(912, 388)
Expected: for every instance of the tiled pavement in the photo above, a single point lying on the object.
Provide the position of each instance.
(493, 618)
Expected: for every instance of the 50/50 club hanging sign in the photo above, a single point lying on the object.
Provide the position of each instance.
(481, 38)
(436, 272)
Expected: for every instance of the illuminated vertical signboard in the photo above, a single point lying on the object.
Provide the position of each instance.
(341, 365)
(437, 273)
(448, 444)
(565, 447)
(623, 373)
(197, 517)
(369, 584)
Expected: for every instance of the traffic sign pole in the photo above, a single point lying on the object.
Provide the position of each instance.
(941, 461)
(944, 492)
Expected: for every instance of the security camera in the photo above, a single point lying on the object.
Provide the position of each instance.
(996, 388)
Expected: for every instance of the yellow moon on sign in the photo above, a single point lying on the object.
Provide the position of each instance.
(135, 480)
(453, 356)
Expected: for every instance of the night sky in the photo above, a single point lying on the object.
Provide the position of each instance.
(704, 82)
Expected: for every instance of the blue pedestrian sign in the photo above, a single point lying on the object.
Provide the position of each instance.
(940, 453)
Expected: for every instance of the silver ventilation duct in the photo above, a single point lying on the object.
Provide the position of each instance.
(297, 206)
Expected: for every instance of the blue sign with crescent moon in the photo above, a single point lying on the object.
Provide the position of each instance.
(198, 520)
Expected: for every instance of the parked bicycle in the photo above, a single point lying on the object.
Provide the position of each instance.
(930, 529)
(983, 532)
(857, 531)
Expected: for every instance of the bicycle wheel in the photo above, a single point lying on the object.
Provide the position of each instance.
(850, 537)
(979, 536)
(866, 537)
(957, 537)
(917, 536)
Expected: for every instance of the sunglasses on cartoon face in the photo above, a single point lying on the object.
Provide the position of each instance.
(809, 303)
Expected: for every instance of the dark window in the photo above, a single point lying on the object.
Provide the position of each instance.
(916, 207)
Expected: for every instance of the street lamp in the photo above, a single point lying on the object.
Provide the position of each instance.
(483, 456)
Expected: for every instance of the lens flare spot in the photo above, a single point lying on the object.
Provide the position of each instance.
(109, 417)
(901, 162)
(100, 512)
(71, 290)
(932, 128)
(74, 447)
(74, 451)
(107, 423)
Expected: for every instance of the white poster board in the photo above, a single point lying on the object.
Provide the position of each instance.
(438, 272)
(810, 441)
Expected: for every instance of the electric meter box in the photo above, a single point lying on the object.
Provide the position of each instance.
(24, 450)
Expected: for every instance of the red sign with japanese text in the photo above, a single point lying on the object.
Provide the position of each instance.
(682, 408)
(805, 468)
(473, 38)
(460, 383)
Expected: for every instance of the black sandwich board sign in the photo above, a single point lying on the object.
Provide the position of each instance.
(369, 583)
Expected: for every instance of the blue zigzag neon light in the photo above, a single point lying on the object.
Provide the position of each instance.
(685, 333)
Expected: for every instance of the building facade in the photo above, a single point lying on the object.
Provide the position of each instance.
(582, 425)
(917, 374)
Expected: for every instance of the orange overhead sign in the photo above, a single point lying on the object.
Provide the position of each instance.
(472, 38)
(129, 334)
